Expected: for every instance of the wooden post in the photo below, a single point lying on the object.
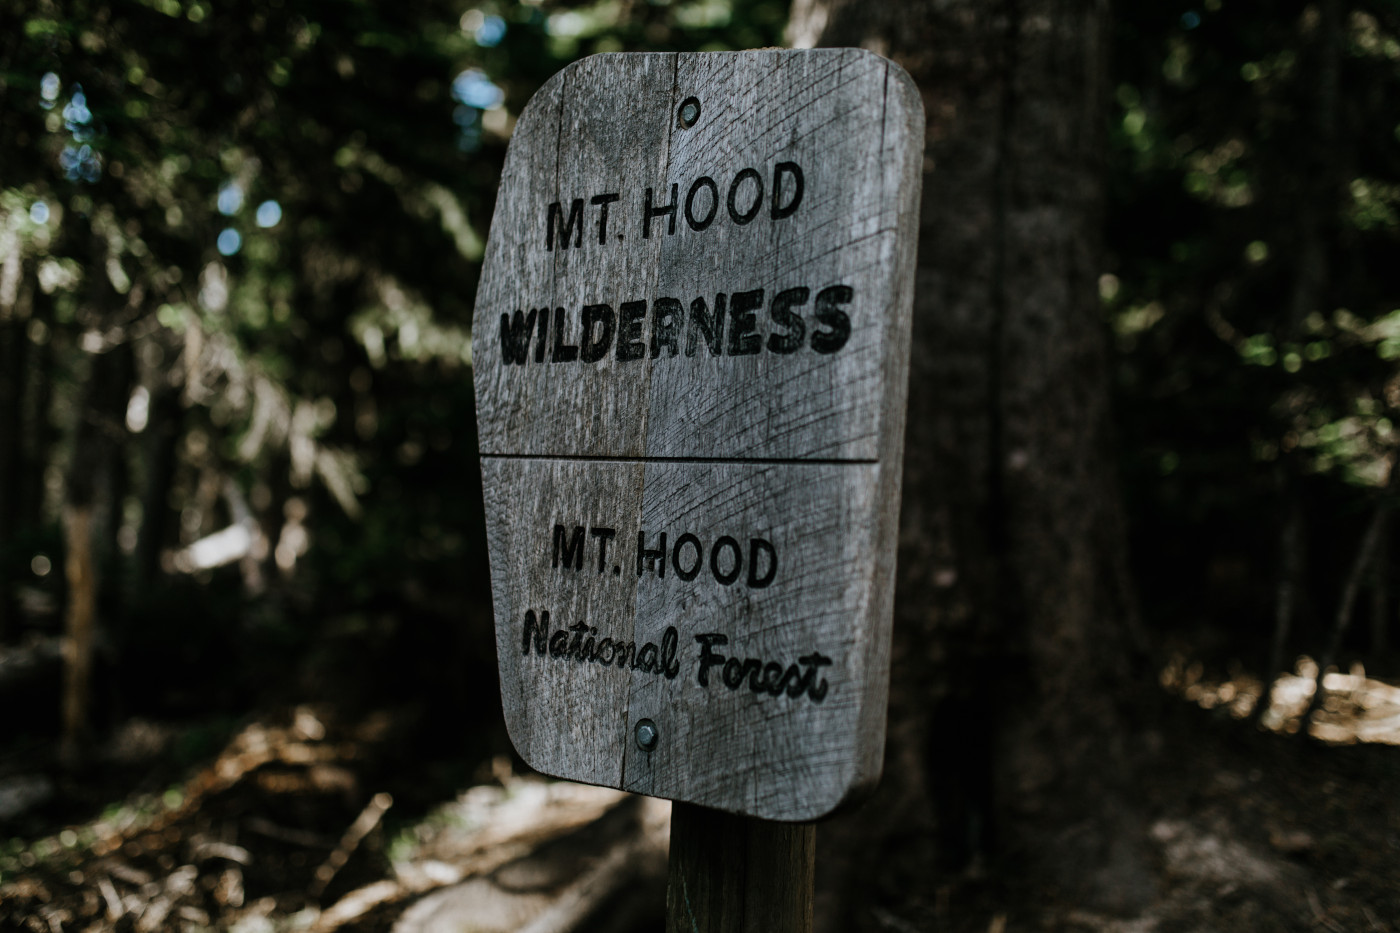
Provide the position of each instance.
(737, 874)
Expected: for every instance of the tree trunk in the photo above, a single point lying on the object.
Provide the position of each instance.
(1290, 579)
(14, 368)
(159, 451)
(86, 520)
(1381, 574)
(88, 496)
(114, 479)
(39, 426)
(1015, 622)
(80, 627)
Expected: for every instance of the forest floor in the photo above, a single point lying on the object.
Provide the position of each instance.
(1248, 826)
(294, 820)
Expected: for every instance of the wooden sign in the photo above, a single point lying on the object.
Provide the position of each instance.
(691, 352)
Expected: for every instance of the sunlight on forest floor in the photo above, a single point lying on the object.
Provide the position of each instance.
(307, 822)
(1355, 708)
(266, 837)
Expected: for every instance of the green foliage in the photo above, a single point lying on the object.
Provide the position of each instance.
(1252, 220)
(278, 211)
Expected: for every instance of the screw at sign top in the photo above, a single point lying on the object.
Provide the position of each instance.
(688, 113)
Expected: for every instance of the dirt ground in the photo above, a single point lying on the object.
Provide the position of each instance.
(294, 821)
(1247, 831)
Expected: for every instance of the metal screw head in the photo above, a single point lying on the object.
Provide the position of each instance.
(688, 113)
(647, 735)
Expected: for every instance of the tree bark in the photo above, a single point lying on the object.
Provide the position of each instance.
(14, 368)
(39, 428)
(80, 627)
(1346, 605)
(159, 450)
(114, 478)
(88, 496)
(1291, 543)
(1015, 621)
(1381, 574)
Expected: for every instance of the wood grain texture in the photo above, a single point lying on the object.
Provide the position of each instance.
(729, 874)
(767, 455)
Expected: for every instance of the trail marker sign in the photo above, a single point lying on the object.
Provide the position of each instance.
(690, 353)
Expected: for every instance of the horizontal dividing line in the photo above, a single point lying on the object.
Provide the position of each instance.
(759, 461)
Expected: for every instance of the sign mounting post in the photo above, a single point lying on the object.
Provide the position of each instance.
(690, 352)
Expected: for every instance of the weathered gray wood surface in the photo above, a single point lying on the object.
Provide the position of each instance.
(730, 874)
(782, 447)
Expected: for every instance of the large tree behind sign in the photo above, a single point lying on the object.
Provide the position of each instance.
(1014, 617)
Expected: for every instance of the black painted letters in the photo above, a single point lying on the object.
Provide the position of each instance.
(743, 341)
(727, 559)
(793, 171)
(568, 229)
(731, 327)
(768, 677)
(669, 211)
(742, 217)
(586, 647)
(629, 331)
(743, 202)
(515, 336)
(563, 352)
(782, 314)
(704, 181)
(595, 348)
(829, 341)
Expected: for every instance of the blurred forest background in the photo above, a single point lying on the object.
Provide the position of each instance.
(245, 622)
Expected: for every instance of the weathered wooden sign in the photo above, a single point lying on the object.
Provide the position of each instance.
(691, 352)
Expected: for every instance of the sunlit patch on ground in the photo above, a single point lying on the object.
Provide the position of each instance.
(286, 830)
(1354, 707)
